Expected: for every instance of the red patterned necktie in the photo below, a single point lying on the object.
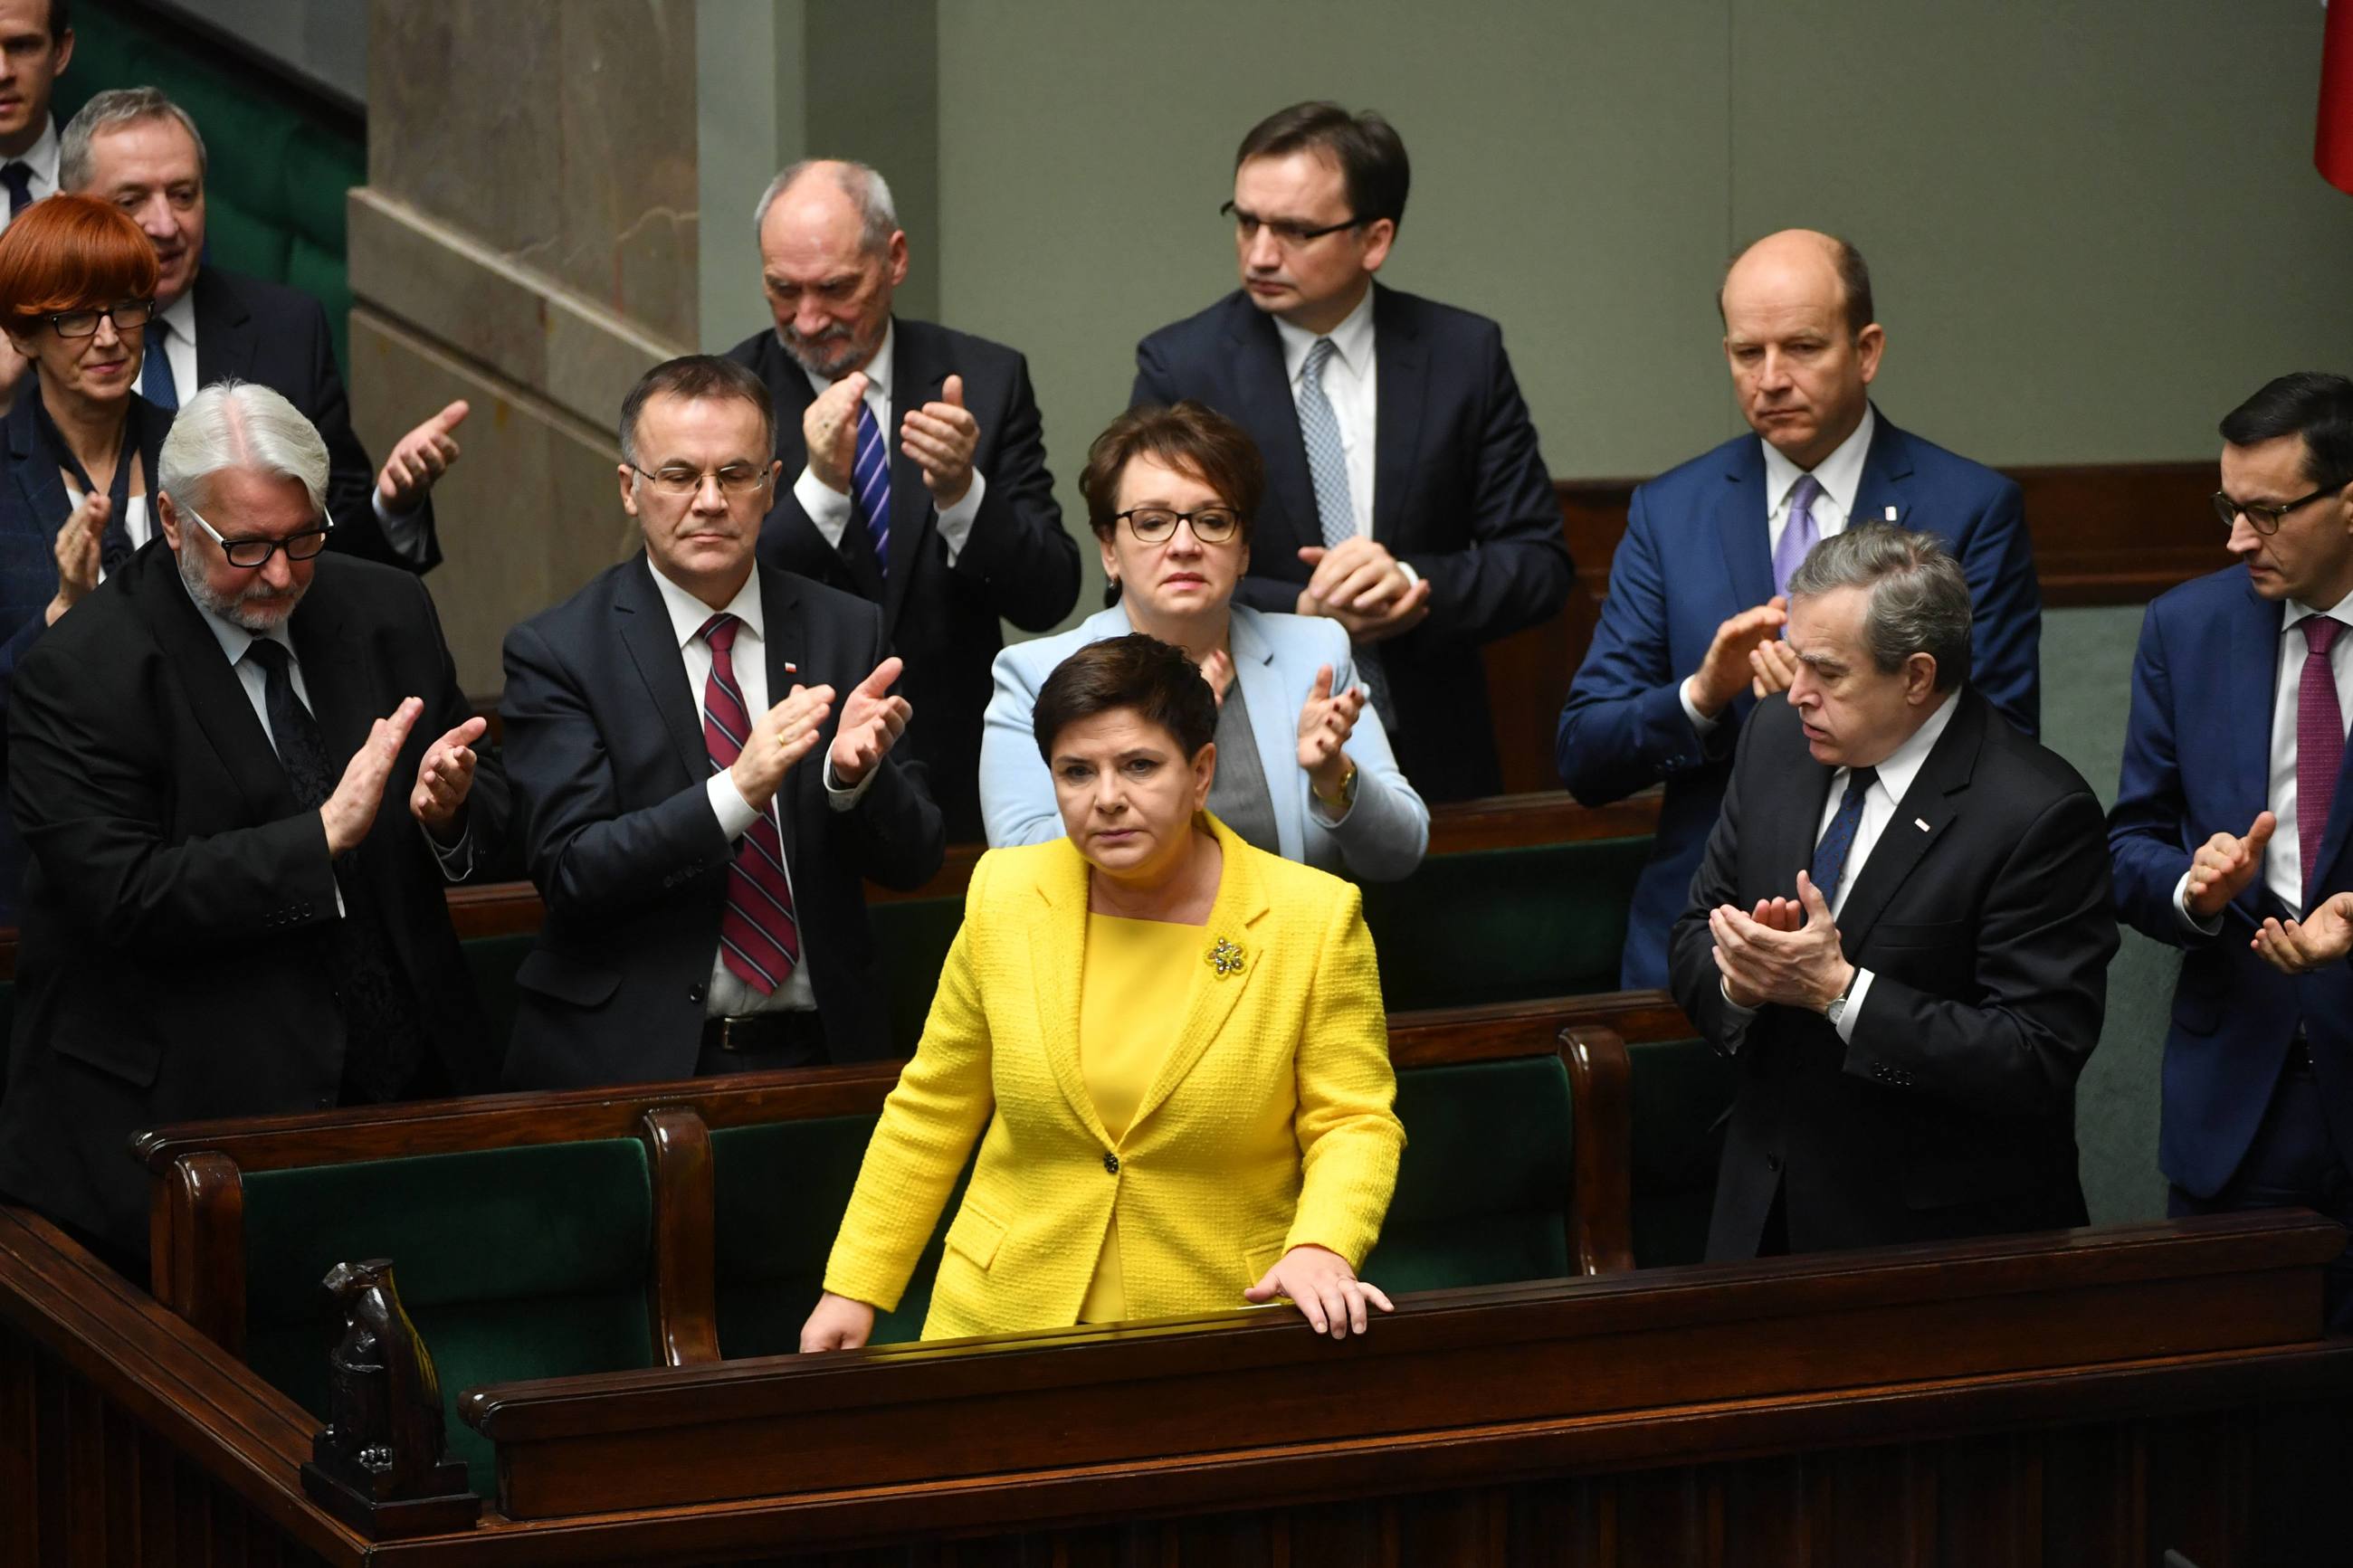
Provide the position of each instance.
(2319, 745)
(759, 940)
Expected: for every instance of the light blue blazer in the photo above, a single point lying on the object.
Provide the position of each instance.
(1276, 659)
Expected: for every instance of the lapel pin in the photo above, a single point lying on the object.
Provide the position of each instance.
(1920, 824)
(1891, 514)
(792, 669)
(1225, 958)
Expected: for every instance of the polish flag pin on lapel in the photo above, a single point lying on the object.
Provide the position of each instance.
(1920, 824)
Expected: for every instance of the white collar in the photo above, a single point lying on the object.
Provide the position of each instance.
(1904, 763)
(1839, 474)
(878, 369)
(1352, 339)
(2296, 612)
(689, 615)
(41, 157)
(180, 315)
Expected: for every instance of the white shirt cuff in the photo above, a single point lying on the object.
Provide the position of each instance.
(404, 532)
(457, 859)
(1699, 721)
(1740, 1016)
(839, 799)
(2182, 908)
(1411, 576)
(956, 522)
(1854, 1008)
(826, 507)
(728, 805)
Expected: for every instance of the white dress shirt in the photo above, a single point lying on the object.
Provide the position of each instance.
(831, 508)
(729, 996)
(2283, 855)
(457, 859)
(1879, 802)
(1351, 383)
(40, 161)
(1840, 477)
(404, 532)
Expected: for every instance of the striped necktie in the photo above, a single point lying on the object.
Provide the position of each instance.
(759, 939)
(870, 484)
(1335, 507)
(1830, 854)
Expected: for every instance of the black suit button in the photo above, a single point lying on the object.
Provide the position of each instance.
(1773, 1163)
(1111, 1161)
(694, 992)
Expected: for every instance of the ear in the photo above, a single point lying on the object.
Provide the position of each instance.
(1205, 770)
(1379, 234)
(1869, 345)
(1920, 679)
(629, 488)
(167, 518)
(1109, 555)
(898, 267)
(65, 51)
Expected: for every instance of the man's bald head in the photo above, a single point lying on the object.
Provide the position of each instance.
(1800, 342)
(831, 255)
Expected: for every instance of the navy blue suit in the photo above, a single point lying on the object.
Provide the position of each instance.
(1694, 555)
(1459, 493)
(2197, 762)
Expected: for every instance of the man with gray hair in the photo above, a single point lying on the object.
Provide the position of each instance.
(134, 147)
(1899, 932)
(915, 463)
(225, 915)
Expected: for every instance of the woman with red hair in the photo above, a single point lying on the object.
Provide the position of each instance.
(77, 291)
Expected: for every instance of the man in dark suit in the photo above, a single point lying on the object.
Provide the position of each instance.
(706, 910)
(1900, 932)
(225, 916)
(1690, 633)
(2233, 816)
(915, 463)
(1405, 495)
(136, 148)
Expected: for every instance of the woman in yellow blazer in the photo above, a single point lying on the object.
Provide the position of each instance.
(1170, 1044)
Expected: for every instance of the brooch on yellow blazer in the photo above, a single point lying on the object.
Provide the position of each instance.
(1225, 958)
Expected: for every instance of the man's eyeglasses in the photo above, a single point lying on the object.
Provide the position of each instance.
(1288, 235)
(2265, 520)
(735, 479)
(255, 551)
(127, 317)
(1151, 524)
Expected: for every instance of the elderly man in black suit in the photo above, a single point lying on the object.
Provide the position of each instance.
(915, 462)
(1405, 495)
(136, 148)
(1900, 930)
(225, 915)
(706, 910)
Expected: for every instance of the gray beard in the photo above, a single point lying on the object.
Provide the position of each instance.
(230, 608)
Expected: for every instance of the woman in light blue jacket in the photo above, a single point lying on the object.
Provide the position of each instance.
(1304, 769)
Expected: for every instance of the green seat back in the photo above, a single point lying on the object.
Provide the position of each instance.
(513, 1263)
(1678, 1092)
(1505, 925)
(1482, 1191)
(277, 170)
(781, 1191)
(914, 936)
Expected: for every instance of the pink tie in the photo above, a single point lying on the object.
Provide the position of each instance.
(2319, 745)
(1799, 533)
(759, 940)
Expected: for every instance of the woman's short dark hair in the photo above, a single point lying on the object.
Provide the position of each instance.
(1159, 681)
(1191, 437)
(73, 253)
(1369, 152)
(2311, 404)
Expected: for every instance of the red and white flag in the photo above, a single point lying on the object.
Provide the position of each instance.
(2332, 141)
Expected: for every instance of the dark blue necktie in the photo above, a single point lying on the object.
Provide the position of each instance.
(18, 177)
(1829, 855)
(155, 382)
(870, 483)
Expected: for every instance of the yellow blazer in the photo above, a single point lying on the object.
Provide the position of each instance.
(1268, 1125)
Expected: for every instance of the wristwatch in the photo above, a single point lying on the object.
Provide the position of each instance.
(1347, 792)
(1835, 1009)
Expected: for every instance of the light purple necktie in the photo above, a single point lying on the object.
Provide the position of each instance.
(2319, 745)
(1799, 534)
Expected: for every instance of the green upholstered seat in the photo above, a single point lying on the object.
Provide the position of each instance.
(1505, 925)
(781, 1191)
(513, 1263)
(279, 168)
(1678, 1092)
(1483, 1191)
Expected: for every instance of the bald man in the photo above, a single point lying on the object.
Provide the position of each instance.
(914, 464)
(1691, 633)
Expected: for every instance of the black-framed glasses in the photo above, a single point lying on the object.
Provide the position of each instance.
(1211, 524)
(2265, 519)
(128, 317)
(255, 551)
(1288, 235)
(735, 479)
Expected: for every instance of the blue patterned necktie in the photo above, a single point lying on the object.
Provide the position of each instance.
(870, 484)
(155, 382)
(1799, 534)
(1327, 466)
(1829, 855)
